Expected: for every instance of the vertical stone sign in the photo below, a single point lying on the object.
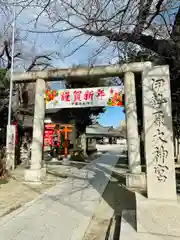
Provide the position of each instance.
(159, 151)
(10, 147)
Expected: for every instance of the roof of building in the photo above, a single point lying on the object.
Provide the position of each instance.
(97, 129)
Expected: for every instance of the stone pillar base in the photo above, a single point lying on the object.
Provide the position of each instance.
(136, 180)
(66, 161)
(158, 217)
(34, 176)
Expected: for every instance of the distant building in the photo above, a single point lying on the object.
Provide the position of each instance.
(122, 124)
(96, 130)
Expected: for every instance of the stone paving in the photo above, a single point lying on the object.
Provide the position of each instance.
(128, 230)
(64, 212)
(15, 193)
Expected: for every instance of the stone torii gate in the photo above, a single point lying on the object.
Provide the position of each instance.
(160, 169)
(135, 177)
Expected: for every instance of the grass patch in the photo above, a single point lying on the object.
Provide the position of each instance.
(3, 181)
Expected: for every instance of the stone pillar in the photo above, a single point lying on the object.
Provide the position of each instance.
(36, 172)
(74, 134)
(159, 148)
(134, 178)
(178, 150)
(159, 155)
(83, 144)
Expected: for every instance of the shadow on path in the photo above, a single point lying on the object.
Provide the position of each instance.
(115, 195)
(118, 198)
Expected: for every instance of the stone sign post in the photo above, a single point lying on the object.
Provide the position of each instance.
(159, 151)
(159, 213)
(10, 143)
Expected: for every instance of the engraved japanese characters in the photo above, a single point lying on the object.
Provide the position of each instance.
(84, 97)
(160, 153)
(158, 133)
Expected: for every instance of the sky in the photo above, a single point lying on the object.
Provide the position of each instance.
(43, 44)
(112, 117)
(49, 43)
(61, 46)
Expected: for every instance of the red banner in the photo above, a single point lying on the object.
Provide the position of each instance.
(49, 133)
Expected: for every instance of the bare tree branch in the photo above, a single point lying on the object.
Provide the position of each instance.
(144, 9)
(176, 29)
(158, 8)
(35, 63)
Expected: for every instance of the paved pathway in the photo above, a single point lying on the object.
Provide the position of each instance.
(65, 211)
(128, 225)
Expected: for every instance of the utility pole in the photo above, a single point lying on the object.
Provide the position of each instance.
(11, 132)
